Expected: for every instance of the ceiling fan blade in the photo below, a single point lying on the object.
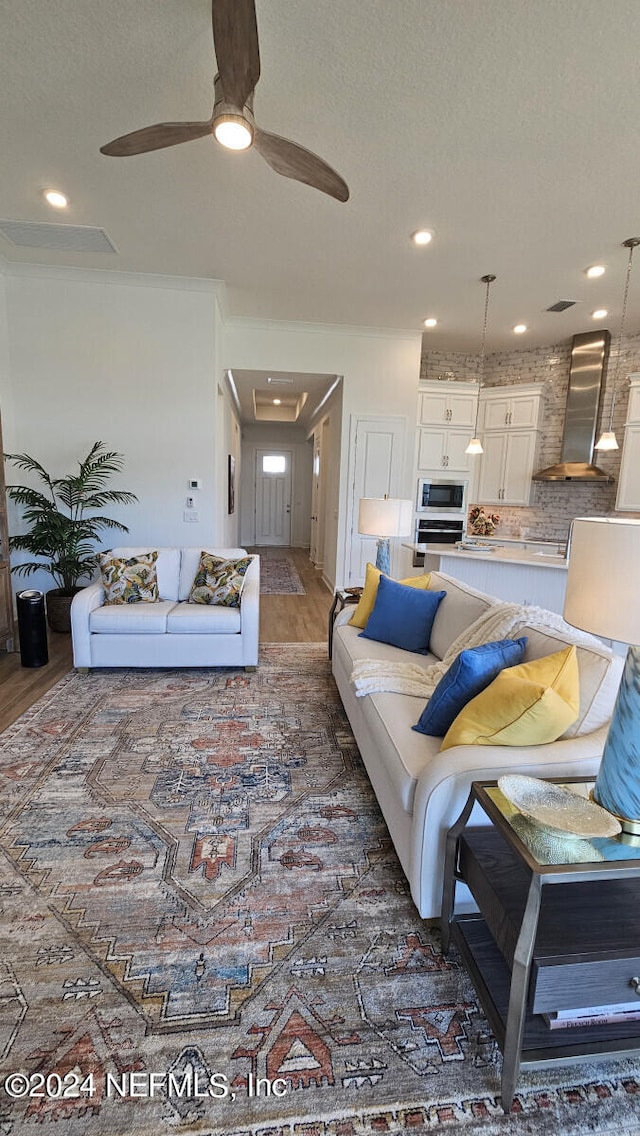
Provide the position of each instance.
(156, 138)
(293, 161)
(235, 38)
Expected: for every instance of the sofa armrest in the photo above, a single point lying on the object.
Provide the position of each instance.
(84, 602)
(444, 785)
(250, 614)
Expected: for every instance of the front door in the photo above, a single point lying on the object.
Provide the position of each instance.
(273, 497)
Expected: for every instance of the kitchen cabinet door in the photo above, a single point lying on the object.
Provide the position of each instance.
(628, 497)
(492, 463)
(443, 450)
(506, 467)
(462, 408)
(518, 470)
(509, 407)
(633, 409)
(444, 405)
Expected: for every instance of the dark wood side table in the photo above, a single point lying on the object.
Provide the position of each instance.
(548, 936)
(342, 597)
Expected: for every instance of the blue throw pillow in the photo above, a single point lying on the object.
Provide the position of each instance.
(470, 672)
(402, 616)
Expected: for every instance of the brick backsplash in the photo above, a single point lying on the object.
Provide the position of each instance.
(553, 504)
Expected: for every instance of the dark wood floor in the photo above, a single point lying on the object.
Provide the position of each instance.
(283, 619)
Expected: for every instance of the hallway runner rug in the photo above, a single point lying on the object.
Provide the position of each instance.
(278, 576)
(205, 930)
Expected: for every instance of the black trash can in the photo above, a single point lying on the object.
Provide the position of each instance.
(32, 628)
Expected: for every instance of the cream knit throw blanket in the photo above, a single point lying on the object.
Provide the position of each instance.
(501, 621)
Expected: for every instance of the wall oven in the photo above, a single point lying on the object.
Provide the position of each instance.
(437, 497)
(437, 530)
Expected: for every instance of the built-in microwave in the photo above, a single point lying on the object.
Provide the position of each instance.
(438, 497)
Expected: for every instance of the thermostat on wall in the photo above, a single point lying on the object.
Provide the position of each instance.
(194, 483)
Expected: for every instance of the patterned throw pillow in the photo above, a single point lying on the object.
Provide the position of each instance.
(219, 581)
(129, 581)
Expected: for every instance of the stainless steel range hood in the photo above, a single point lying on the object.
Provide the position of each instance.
(589, 355)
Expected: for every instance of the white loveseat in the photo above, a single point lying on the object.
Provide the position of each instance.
(421, 790)
(171, 632)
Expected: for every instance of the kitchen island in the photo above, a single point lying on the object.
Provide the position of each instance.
(520, 575)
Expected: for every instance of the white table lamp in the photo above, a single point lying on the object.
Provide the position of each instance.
(385, 517)
(603, 597)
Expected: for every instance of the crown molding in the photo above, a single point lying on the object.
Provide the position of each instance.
(22, 269)
(252, 323)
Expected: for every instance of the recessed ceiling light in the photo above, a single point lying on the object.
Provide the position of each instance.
(599, 314)
(520, 328)
(421, 237)
(277, 401)
(55, 198)
(431, 322)
(595, 270)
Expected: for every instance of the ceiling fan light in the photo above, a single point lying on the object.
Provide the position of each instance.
(233, 132)
(474, 447)
(607, 441)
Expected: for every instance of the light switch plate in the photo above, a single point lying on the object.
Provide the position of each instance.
(191, 516)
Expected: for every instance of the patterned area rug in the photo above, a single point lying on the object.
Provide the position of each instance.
(278, 576)
(204, 929)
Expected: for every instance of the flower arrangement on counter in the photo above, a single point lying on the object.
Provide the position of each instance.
(482, 524)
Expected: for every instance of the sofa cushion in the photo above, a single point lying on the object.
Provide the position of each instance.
(369, 592)
(218, 582)
(204, 619)
(404, 753)
(598, 668)
(167, 567)
(460, 608)
(471, 671)
(190, 560)
(402, 616)
(131, 619)
(529, 704)
(129, 580)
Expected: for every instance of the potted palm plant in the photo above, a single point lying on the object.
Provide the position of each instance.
(64, 524)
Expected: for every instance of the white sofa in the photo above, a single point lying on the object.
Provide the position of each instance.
(171, 632)
(421, 790)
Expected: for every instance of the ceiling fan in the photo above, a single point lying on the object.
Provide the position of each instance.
(235, 39)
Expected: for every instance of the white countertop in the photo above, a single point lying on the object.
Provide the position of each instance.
(496, 553)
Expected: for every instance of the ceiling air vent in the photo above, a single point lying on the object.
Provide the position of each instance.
(561, 305)
(58, 238)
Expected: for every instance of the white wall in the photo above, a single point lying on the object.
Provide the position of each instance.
(277, 436)
(380, 370)
(6, 400)
(130, 360)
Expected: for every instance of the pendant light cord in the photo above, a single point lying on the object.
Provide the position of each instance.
(631, 243)
(488, 280)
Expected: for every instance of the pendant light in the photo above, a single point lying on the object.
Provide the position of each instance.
(608, 440)
(475, 445)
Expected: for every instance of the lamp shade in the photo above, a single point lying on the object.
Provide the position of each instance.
(602, 589)
(385, 517)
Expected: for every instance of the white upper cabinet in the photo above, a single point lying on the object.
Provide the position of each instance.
(628, 496)
(511, 406)
(506, 466)
(443, 449)
(448, 404)
(446, 418)
(510, 428)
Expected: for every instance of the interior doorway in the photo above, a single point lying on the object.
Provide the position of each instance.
(273, 497)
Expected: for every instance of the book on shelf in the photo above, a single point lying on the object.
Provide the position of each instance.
(594, 1015)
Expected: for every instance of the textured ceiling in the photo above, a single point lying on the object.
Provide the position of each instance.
(509, 127)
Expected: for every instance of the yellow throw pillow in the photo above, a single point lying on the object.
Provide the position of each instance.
(370, 591)
(529, 704)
